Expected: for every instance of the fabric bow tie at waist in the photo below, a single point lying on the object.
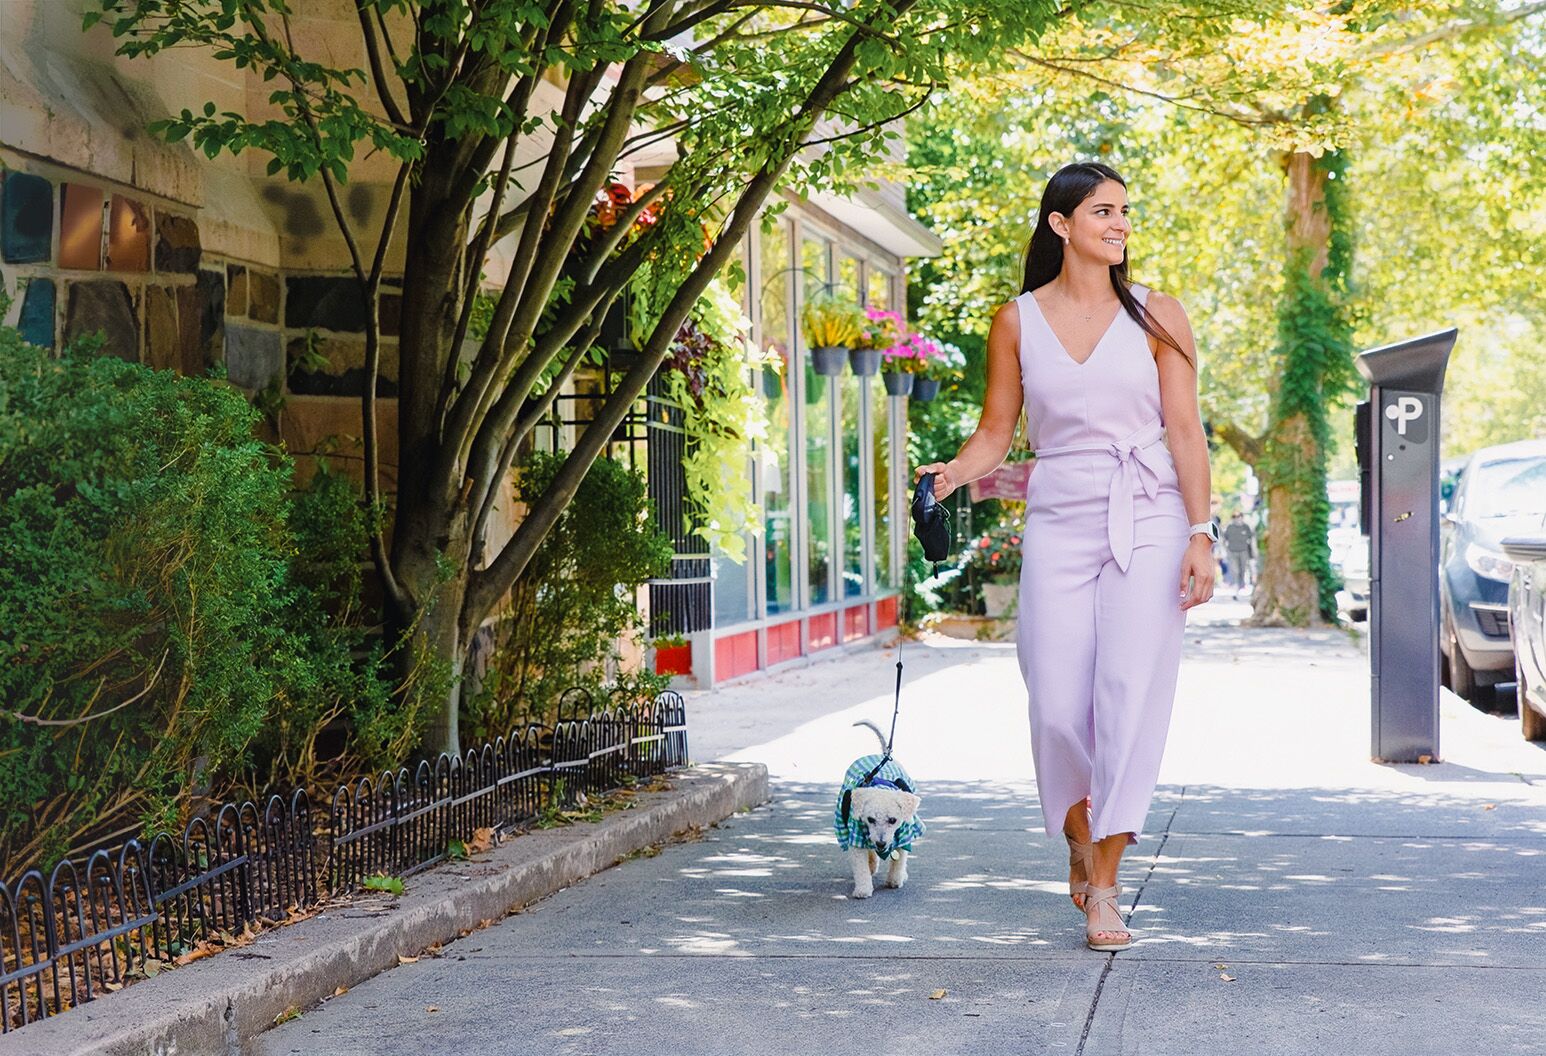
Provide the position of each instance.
(1133, 465)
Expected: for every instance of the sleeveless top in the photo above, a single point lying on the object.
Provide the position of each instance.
(1102, 423)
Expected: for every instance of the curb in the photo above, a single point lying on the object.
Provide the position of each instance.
(218, 1005)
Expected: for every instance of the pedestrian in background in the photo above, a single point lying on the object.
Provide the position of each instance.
(1240, 543)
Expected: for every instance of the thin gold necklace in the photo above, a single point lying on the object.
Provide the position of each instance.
(1067, 300)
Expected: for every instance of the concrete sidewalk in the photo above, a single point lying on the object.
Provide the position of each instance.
(1289, 895)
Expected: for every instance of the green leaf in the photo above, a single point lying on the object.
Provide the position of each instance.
(382, 882)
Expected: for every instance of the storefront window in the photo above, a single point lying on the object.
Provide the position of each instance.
(880, 433)
(778, 527)
(818, 448)
(853, 389)
(848, 278)
(732, 590)
(879, 288)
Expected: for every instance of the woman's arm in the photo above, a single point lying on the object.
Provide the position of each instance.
(1188, 444)
(985, 449)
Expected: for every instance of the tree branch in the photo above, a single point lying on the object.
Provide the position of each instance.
(1453, 29)
(1251, 449)
(378, 71)
(486, 587)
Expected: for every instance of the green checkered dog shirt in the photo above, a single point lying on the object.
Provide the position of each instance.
(853, 832)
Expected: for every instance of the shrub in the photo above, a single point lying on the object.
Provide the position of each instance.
(166, 633)
(575, 601)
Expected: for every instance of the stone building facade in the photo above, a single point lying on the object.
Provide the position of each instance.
(210, 265)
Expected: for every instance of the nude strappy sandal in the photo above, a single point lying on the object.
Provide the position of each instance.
(1102, 915)
(1080, 854)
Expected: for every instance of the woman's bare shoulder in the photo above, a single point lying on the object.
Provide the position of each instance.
(1164, 306)
(1007, 313)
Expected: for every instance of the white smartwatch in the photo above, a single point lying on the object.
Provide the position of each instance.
(1207, 528)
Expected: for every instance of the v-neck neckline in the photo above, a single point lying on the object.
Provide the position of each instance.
(1059, 341)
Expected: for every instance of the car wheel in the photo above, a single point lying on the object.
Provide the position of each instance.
(1531, 722)
(1461, 678)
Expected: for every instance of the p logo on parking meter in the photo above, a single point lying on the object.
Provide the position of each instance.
(1406, 413)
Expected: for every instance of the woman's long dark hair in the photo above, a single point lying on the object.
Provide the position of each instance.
(1069, 186)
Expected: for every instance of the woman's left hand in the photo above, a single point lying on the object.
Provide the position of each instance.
(1197, 572)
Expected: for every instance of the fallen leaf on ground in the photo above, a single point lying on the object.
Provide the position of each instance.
(1425, 759)
(1490, 806)
(432, 1008)
(936, 995)
(1221, 966)
(403, 958)
(340, 991)
(1226, 977)
(482, 840)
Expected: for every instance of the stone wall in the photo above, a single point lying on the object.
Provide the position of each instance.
(82, 256)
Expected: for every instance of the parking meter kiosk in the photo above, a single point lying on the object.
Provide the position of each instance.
(1397, 438)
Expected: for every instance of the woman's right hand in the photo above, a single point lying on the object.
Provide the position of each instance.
(944, 479)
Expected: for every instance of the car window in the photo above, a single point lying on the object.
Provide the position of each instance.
(1507, 488)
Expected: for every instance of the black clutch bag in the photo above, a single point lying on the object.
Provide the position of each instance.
(931, 521)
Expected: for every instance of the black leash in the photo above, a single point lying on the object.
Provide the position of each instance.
(896, 709)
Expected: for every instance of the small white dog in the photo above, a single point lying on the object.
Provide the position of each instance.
(877, 817)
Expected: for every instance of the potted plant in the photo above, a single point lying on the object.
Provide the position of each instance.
(935, 369)
(831, 325)
(880, 333)
(907, 361)
(994, 557)
(673, 655)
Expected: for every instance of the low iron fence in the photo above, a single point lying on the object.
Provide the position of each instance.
(85, 929)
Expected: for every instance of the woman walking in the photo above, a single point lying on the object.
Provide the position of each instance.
(1118, 537)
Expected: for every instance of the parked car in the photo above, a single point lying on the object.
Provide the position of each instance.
(1527, 623)
(1501, 492)
(1353, 598)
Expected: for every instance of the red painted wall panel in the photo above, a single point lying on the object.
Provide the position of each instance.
(822, 632)
(885, 613)
(734, 655)
(783, 642)
(856, 622)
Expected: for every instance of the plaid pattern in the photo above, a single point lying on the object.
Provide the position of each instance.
(855, 833)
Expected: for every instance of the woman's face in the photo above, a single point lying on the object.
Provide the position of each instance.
(1098, 228)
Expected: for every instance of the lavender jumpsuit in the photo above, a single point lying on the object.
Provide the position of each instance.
(1100, 622)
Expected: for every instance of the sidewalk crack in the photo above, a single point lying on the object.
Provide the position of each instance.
(1100, 984)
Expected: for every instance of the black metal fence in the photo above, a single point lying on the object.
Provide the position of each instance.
(86, 929)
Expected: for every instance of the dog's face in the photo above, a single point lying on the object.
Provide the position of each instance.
(882, 810)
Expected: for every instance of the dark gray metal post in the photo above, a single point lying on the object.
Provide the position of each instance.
(1397, 433)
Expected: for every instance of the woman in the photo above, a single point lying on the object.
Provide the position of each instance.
(1118, 539)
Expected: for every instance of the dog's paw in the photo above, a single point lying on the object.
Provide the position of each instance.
(862, 892)
(897, 880)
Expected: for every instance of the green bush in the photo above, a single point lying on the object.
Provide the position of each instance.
(166, 632)
(575, 601)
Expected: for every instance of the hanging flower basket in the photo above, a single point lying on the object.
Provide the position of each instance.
(865, 361)
(829, 360)
(897, 383)
(925, 389)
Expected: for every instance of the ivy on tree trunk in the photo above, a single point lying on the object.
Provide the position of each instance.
(1314, 342)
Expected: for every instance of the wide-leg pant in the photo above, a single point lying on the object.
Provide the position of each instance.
(1100, 650)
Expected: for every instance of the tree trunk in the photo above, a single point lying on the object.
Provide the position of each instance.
(1285, 594)
(1297, 585)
